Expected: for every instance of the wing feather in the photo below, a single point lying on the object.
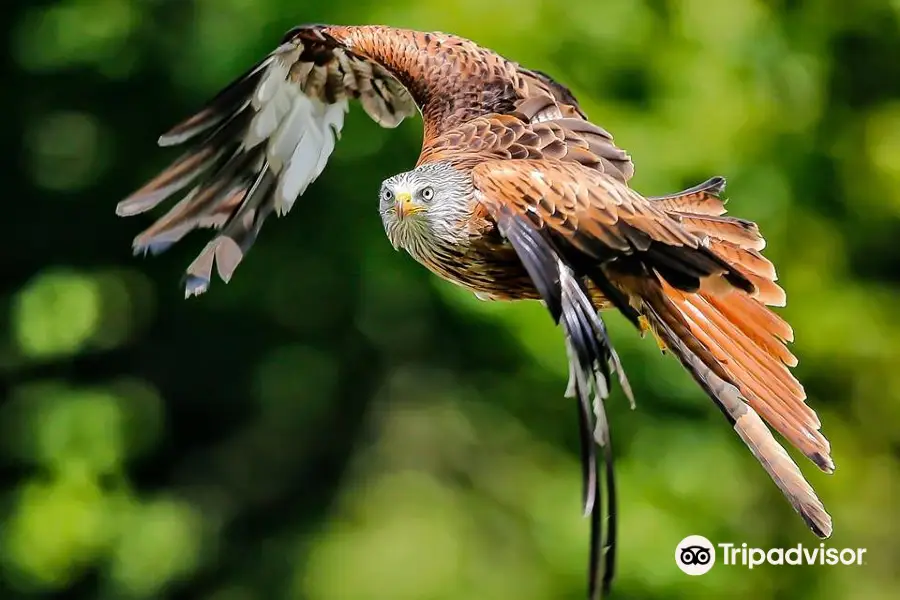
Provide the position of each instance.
(592, 360)
(258, 145)
(702, 286)
(678, 333)
(599, 215)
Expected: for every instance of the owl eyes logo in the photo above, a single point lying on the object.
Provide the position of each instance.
(695, 555)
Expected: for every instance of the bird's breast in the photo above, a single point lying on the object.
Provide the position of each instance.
(482, 265)
(490, 268)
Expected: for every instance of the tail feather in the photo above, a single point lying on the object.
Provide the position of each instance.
(767, 291)
(754, 266)
(690, 344)
(735, 347)
(761, 325)
(746, 422)
(744, 342)
(736, 241)
(764, 381)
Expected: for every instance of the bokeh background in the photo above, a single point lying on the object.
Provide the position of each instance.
(338, 424)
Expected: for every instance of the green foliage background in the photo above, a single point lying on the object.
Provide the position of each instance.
(338, 424)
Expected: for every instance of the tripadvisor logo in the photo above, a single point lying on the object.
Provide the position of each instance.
(696, 555)
(732, 554)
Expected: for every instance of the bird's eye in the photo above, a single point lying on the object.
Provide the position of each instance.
(387, 195)
(428, 193)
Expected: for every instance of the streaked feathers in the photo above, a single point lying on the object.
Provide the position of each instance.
(258, 145)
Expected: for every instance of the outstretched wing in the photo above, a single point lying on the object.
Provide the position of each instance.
(693, 277)
(258, 144)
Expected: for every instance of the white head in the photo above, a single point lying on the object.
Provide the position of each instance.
(428, 205)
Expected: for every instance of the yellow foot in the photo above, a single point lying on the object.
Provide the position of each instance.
(644, 324)
(645, 327)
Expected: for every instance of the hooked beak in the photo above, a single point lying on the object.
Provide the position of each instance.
(404, 205)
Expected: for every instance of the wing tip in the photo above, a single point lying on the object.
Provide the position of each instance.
(127, 208)
(154, 248)
(821, 524)
(716, 184)
(823, 461)
(194, 125)
(172, 138)
(140, 202)
(195, 285)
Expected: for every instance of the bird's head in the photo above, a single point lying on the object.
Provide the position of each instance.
(429, 203)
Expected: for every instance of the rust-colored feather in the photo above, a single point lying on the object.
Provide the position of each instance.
(719, 326)
(599, 215)
(762, 378)
(706, 361)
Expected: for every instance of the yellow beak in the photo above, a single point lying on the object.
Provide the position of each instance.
(404, 205)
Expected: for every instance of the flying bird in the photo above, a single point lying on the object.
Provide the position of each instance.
(516, 195)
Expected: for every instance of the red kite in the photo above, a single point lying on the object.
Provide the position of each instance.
(516, 195)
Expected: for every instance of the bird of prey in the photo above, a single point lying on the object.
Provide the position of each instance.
(516, 195)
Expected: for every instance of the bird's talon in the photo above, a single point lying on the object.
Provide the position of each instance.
(644, 324)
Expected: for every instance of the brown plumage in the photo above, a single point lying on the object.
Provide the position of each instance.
(516, 195)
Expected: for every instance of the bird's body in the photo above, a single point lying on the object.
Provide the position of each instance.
(516, 195)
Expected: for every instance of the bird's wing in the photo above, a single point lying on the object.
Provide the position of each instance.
(522, 134)
(256, 146)
(541, 111)
(560, 93)
(691, 274)
(547, 100)
(594, 213)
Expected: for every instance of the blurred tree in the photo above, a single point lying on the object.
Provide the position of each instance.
(335, 423)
